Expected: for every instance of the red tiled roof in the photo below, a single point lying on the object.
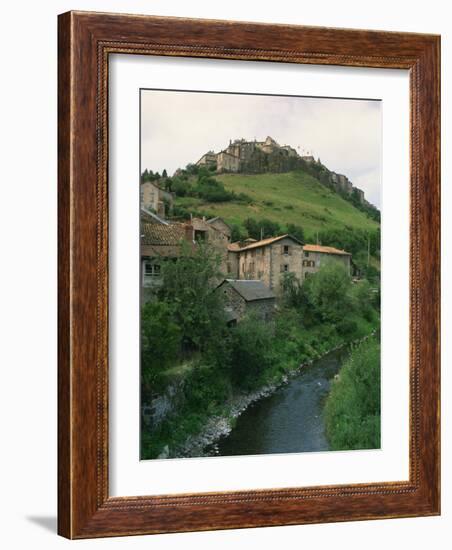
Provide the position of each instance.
(161, 235)
(324, 249)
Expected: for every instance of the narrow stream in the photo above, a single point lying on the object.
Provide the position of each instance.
(288, 421)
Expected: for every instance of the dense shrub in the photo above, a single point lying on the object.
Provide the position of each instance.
(188, 285)
(264, 228)
(249, 352)
(160, 343)
(327, 293)
(352, 409)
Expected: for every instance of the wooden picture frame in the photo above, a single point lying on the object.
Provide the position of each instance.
(86, 40)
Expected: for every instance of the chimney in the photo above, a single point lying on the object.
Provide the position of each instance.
(189, 235)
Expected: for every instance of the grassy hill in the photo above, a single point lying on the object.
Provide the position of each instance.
(292, 197)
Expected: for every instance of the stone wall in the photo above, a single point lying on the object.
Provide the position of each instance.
(285, 260)
(227, 163)
(233, 300)
(232, 265)
(269, 263)
(263, 309)
(313, 261)
(153, 198)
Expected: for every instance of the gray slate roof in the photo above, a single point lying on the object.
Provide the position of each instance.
(250, 290)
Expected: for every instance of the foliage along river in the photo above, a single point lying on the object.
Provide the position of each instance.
(288, 421)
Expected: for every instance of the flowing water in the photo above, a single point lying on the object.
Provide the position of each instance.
(288, 421)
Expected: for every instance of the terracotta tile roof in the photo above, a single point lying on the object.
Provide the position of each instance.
(324, 249)
(263, 242)
(162, 235)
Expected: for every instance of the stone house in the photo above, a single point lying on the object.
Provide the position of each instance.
(266, 260)
(315, 255)
(161, 239)
(216, 233)
(155, 199)
(158, 242)
(247, 297)
(220, 225)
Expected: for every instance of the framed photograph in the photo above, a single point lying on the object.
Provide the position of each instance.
(248, 275)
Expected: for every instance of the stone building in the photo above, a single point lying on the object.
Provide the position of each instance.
(161, 239)
(158, 242)
(216, 233)
(247, 297)
(269, 259)
(220, 225)
(266, 260)
(253, 157)
(342, 183)
(155, 199)
(315, 256)
(209, 159)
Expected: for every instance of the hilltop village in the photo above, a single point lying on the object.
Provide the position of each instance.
(242, 156)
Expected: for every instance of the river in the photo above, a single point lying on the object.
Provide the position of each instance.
(288, 421)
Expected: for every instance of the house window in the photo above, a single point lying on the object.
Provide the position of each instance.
(306, 254)
(285, 268)
(151, 271)
(200, 235)
(286, 250)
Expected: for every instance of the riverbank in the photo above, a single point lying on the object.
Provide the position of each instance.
(220, 426)
(352, 409)
(248, 364)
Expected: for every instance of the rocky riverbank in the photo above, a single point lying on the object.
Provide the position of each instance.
(203, 443)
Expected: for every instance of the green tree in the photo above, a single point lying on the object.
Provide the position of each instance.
(160, 343)
(250, 347)
(362, 299)
(164, 173)
(296, 231)
(189, 287)
(292, 293)
(264, 228)
(236, 233)
(327, 292)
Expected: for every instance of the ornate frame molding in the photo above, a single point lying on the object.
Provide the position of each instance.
(85, 42)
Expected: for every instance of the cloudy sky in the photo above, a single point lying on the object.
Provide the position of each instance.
(179, 127)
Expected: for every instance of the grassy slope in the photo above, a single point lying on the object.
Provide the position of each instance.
(293, 197)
